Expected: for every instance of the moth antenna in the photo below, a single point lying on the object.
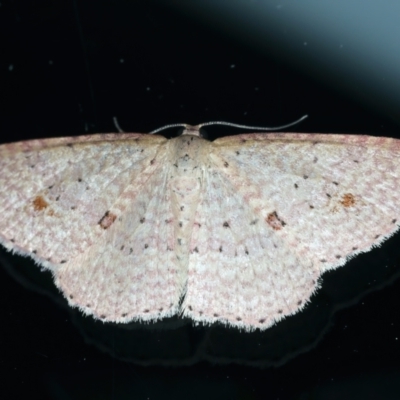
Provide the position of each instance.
(275, 128)
(167, 127)
(115, 120)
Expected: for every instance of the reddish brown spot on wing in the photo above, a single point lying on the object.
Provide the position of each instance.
(107, 220)
(39, 203)
(274, 221)
(348, 200)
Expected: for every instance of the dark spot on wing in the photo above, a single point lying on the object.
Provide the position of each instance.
(107, 220)
(348, 200)
(225, 224)
(274, 221)
(39, 203)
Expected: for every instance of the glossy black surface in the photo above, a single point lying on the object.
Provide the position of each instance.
(67, 69)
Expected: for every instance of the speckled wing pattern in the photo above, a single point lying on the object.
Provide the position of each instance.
(239, 230)
(277, 210)
(89, 209)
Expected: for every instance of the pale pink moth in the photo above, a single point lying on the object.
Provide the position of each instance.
(238, 230)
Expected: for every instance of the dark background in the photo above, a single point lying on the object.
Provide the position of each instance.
(69, 67)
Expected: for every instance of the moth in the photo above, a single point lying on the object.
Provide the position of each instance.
(137, 227)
